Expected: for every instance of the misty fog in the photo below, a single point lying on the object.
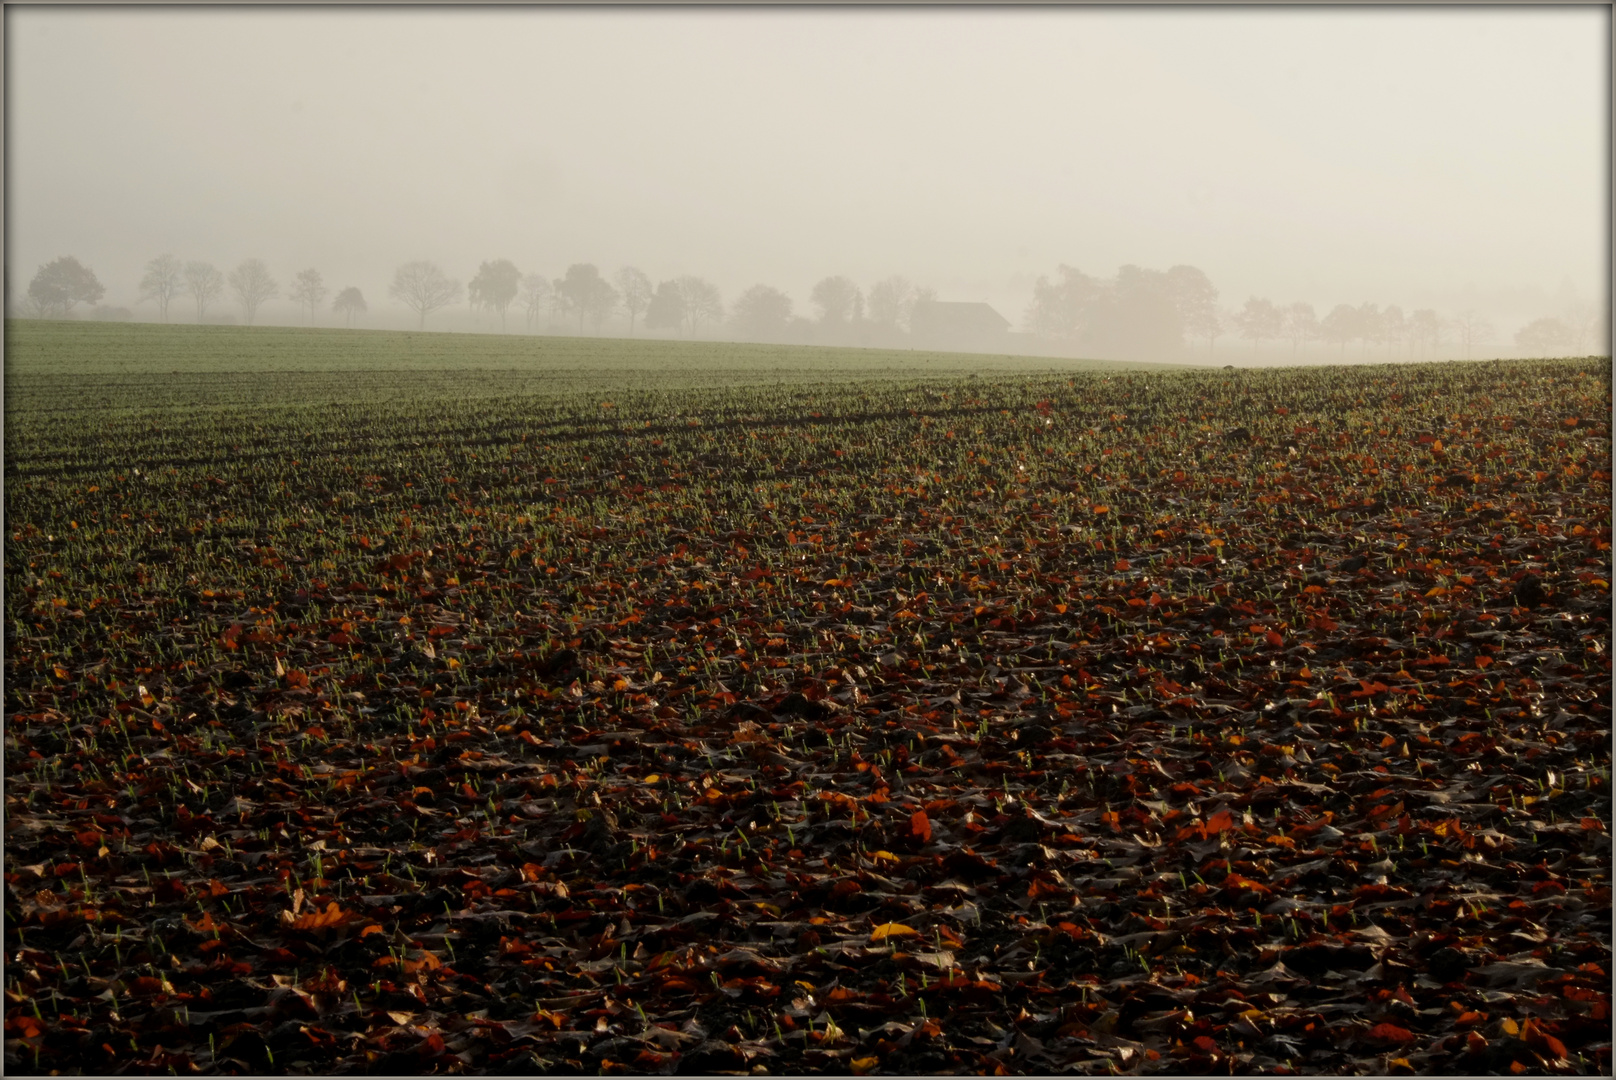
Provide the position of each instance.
(1322, 184)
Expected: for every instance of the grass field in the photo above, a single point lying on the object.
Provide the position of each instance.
(429, 703)
(102, 349)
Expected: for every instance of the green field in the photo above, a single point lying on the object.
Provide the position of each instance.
(136, 349)
(417, 703)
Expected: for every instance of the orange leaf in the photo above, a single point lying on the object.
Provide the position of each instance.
(1219, 822)
(1389, 1033)
(1541, 1041)
(920, 826)
(427, 961)
(892, 930)
(320, 920)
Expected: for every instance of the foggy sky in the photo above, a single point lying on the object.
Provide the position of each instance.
(1357, 155)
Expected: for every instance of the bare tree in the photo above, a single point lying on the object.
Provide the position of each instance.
(204, 282)
(495, 287)
(350, 302)
(162, 282)
(252, 284)
(1301, 324)
(535, 293)
(421, 286)
(636, 292)
(1586, 325)
(1425, 331)
(308, 288)
(1471, 329)
(703, 303)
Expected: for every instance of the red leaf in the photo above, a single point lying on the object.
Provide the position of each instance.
(920, 826)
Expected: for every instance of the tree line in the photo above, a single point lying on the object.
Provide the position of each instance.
(1137, 313)
(1144, 313)
(63, 283)
(687, 304)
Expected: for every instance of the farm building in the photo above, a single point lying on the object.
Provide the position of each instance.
(940, 324)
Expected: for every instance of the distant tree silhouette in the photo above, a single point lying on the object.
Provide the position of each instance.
(1259, 321)
(1139, 313)
(536, 292)
(252, 284)
(1142, 317)
(1196, 301)
(162, 282)
(60, 284)
(495, 287)
(1064, 309)
(586, 294)
(635, 290)
(1340, 326)
(308, 288)
(703, 303)
(1392, 328)
(350, 302)
(205, 283)
(1300, 324)
(422, 287)
(1545, 337)
(1471, 329)
(1586, 324)
(1368, 325)
(666, 311)
(836, 298)
(891, 302)
(602, 302)
(761, 313)
(1425, 331)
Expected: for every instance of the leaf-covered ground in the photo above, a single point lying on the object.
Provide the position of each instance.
(1146, 724)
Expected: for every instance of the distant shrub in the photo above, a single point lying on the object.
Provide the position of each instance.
(108, 313)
